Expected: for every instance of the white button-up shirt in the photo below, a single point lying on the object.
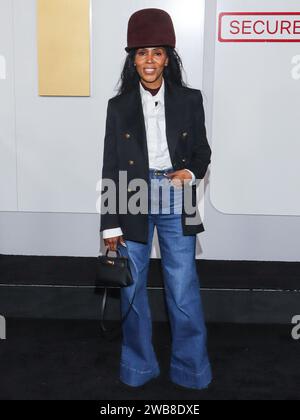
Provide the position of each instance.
(155, 124)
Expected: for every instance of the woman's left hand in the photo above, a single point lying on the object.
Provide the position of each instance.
(180, 177)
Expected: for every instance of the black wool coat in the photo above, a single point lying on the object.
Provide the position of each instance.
(125, 149)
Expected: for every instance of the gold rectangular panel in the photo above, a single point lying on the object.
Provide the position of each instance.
(63, 31)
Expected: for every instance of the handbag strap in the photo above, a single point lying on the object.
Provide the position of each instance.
(117, 251)
(102, 313)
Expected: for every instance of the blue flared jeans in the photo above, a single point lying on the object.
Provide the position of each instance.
(189, 363)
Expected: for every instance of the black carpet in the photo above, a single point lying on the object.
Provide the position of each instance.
(70, 360)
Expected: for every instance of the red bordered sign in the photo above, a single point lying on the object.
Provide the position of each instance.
(259, 27)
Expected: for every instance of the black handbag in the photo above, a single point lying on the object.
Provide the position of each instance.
(113, 272)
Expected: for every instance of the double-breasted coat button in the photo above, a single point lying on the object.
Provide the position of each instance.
(131, 162)
(184, 134)
(127, 136)
(183, 160)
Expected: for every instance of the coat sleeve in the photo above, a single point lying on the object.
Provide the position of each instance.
(201, 149)
(110, 171)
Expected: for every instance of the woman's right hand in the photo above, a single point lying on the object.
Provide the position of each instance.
(112, 243)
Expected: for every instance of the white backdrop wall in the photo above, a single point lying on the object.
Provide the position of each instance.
(256, 112)
(59, 140)
(8, 173)
(49, 170)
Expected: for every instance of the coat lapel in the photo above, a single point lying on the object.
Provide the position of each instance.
(173, 113)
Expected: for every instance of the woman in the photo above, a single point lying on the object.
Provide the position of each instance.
(155, 132)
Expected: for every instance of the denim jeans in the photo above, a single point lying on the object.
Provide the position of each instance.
(189, 364)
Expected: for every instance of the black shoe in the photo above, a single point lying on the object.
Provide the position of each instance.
(184, 388)
(138, 387)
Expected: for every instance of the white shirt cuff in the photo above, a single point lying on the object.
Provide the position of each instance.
(111, 233)
(192, 181)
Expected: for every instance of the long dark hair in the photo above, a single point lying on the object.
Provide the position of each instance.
(130, 78)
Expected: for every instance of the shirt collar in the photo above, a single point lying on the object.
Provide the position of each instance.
(159, 97)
